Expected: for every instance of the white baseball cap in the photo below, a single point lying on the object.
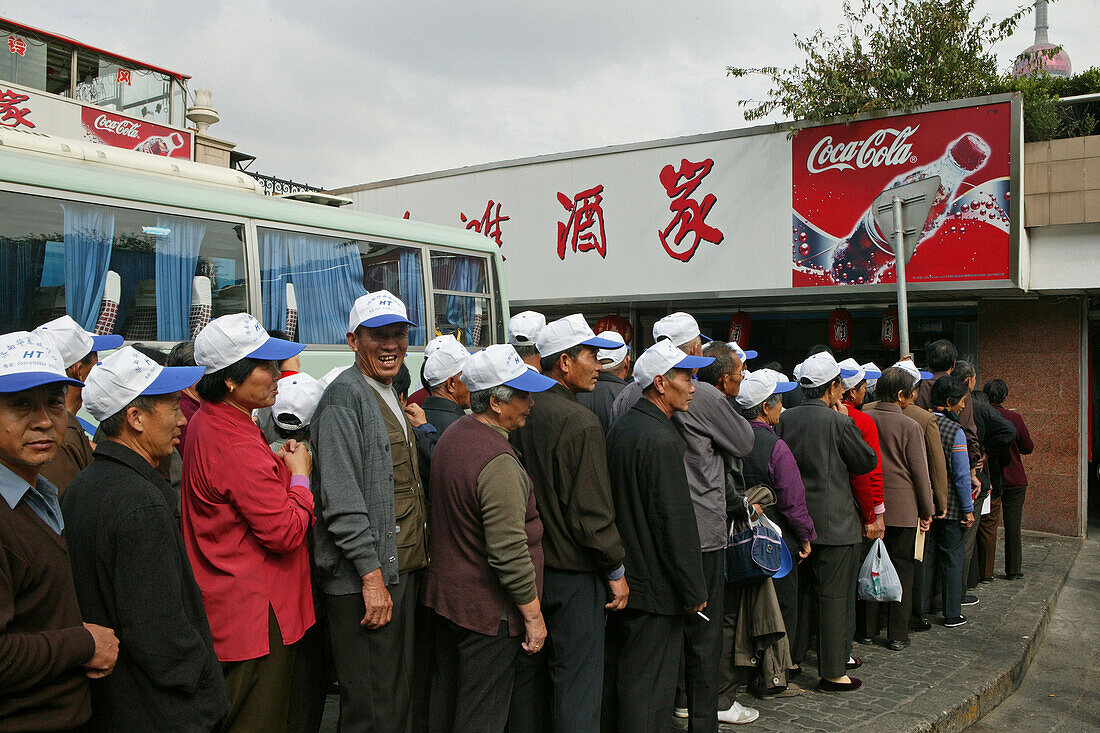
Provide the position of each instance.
(128, 373)
(860, 373)
(662, 356)
(678, 327)
(911, 368)
(524, 328)
(431, 346)
(762, 384)
(72, 342)
(228, 339)
(380, 308)
(30, 360)
(565, 333)
(446, 360)
(500, 364)
(297, 396)
(609, 357)
(870, 368)
(743, 354)
(819, 369)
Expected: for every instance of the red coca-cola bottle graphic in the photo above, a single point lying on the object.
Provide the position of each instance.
(866, 253)
(161, 145)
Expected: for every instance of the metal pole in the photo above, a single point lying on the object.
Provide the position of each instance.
(899, 266)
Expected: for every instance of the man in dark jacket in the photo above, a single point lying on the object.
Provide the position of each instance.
(614, 369)
(656, 519)
(448, 397)
(828, 448)
(128, 558)
(562, 447)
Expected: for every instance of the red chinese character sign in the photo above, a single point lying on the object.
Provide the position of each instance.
(689, 215)
(740, 329)
(891, 337)
(583, 231)
(488, 224)
(12, 113)
(615, 323)
(840, 329)
(124, 77)
(17, 45)
(840, 169)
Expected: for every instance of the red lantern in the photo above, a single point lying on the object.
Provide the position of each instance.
(740, 329)
(840, 329)
(615, 323)
(890, 335)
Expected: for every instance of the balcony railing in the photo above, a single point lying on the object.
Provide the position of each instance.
(277, 186)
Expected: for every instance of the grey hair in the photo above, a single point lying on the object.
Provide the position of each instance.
(479, 401)
(753, 412)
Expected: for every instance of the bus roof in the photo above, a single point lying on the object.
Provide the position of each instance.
(82, 173)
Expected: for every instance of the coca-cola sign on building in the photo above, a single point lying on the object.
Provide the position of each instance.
(838, 170)
(124, 132)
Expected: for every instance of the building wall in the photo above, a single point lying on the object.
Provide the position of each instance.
(1035, 346)
(1062, 181)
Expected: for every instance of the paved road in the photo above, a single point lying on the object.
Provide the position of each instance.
(1060, 691)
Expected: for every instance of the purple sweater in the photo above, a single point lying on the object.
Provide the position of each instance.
(786, 480)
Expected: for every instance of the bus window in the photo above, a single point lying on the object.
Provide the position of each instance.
(145, 275)
(309, 282)
(461, 298)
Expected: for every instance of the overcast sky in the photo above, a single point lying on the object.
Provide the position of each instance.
(349, 91)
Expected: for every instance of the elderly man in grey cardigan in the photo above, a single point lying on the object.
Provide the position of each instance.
(369, 543)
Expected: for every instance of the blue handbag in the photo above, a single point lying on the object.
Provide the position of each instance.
(753, 553)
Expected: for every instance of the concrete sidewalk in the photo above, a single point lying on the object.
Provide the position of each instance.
(948, 678)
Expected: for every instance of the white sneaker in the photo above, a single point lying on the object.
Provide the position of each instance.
(738, 714)
(680, 712)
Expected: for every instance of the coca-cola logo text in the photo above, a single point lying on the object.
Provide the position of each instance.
(882, 147)
(127, 128)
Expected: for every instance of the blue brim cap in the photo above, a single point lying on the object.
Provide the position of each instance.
(706, 338)
(845, 373)
(781, 387)
(29, 380)
(174, 379)
(600, 343)
(531, 381)
(386, 319)
(871, 374)
(106, 342)
(750, 354)
(786, 562)
(926, 375)
(275, 349)
(693, 362)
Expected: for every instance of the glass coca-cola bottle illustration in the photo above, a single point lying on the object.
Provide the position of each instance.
(161, 144)
(867, 252)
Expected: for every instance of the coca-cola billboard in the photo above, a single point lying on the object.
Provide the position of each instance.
(838, 170)
(125, 132)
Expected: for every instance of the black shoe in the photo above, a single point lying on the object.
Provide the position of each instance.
(1015, 576)
(865, 640)
(792, 673)
(918, 626)
(985, 580)
(953, 622)
(896, 645)
(970, 600)
(827, 686)
(856, 663)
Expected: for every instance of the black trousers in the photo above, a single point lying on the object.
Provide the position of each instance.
(311, 679)
(826, 582)
(730, 678)
(1012, 513)
(899, 543)
(646, 648)
(944, 553)
(376, 667)
(987, 538)
(472, 680)
(561, 688)
(703, 649)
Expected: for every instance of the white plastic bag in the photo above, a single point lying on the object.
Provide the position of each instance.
(878, 581)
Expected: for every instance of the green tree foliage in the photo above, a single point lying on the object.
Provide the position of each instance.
(902, 54)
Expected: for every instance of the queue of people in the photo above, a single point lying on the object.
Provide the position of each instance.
(537, 542)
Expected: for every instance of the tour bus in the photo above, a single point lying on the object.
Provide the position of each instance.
(153, 248)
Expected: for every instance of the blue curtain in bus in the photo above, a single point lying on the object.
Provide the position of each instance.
(177, 259)
(133, 267)
(21, 273)
(467, 277)
(273, 277)
(410, 285)
(89, 232)
(328, 277)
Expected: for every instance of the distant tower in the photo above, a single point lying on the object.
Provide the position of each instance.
(1033, 59)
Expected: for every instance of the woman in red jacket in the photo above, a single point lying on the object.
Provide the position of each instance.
(1014, 480)
(246, 517)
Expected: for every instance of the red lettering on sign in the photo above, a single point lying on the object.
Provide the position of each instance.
(17, 45)
(11, 114)
(584, 230)
(689, 215)
(489, 223)
(124, 77)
